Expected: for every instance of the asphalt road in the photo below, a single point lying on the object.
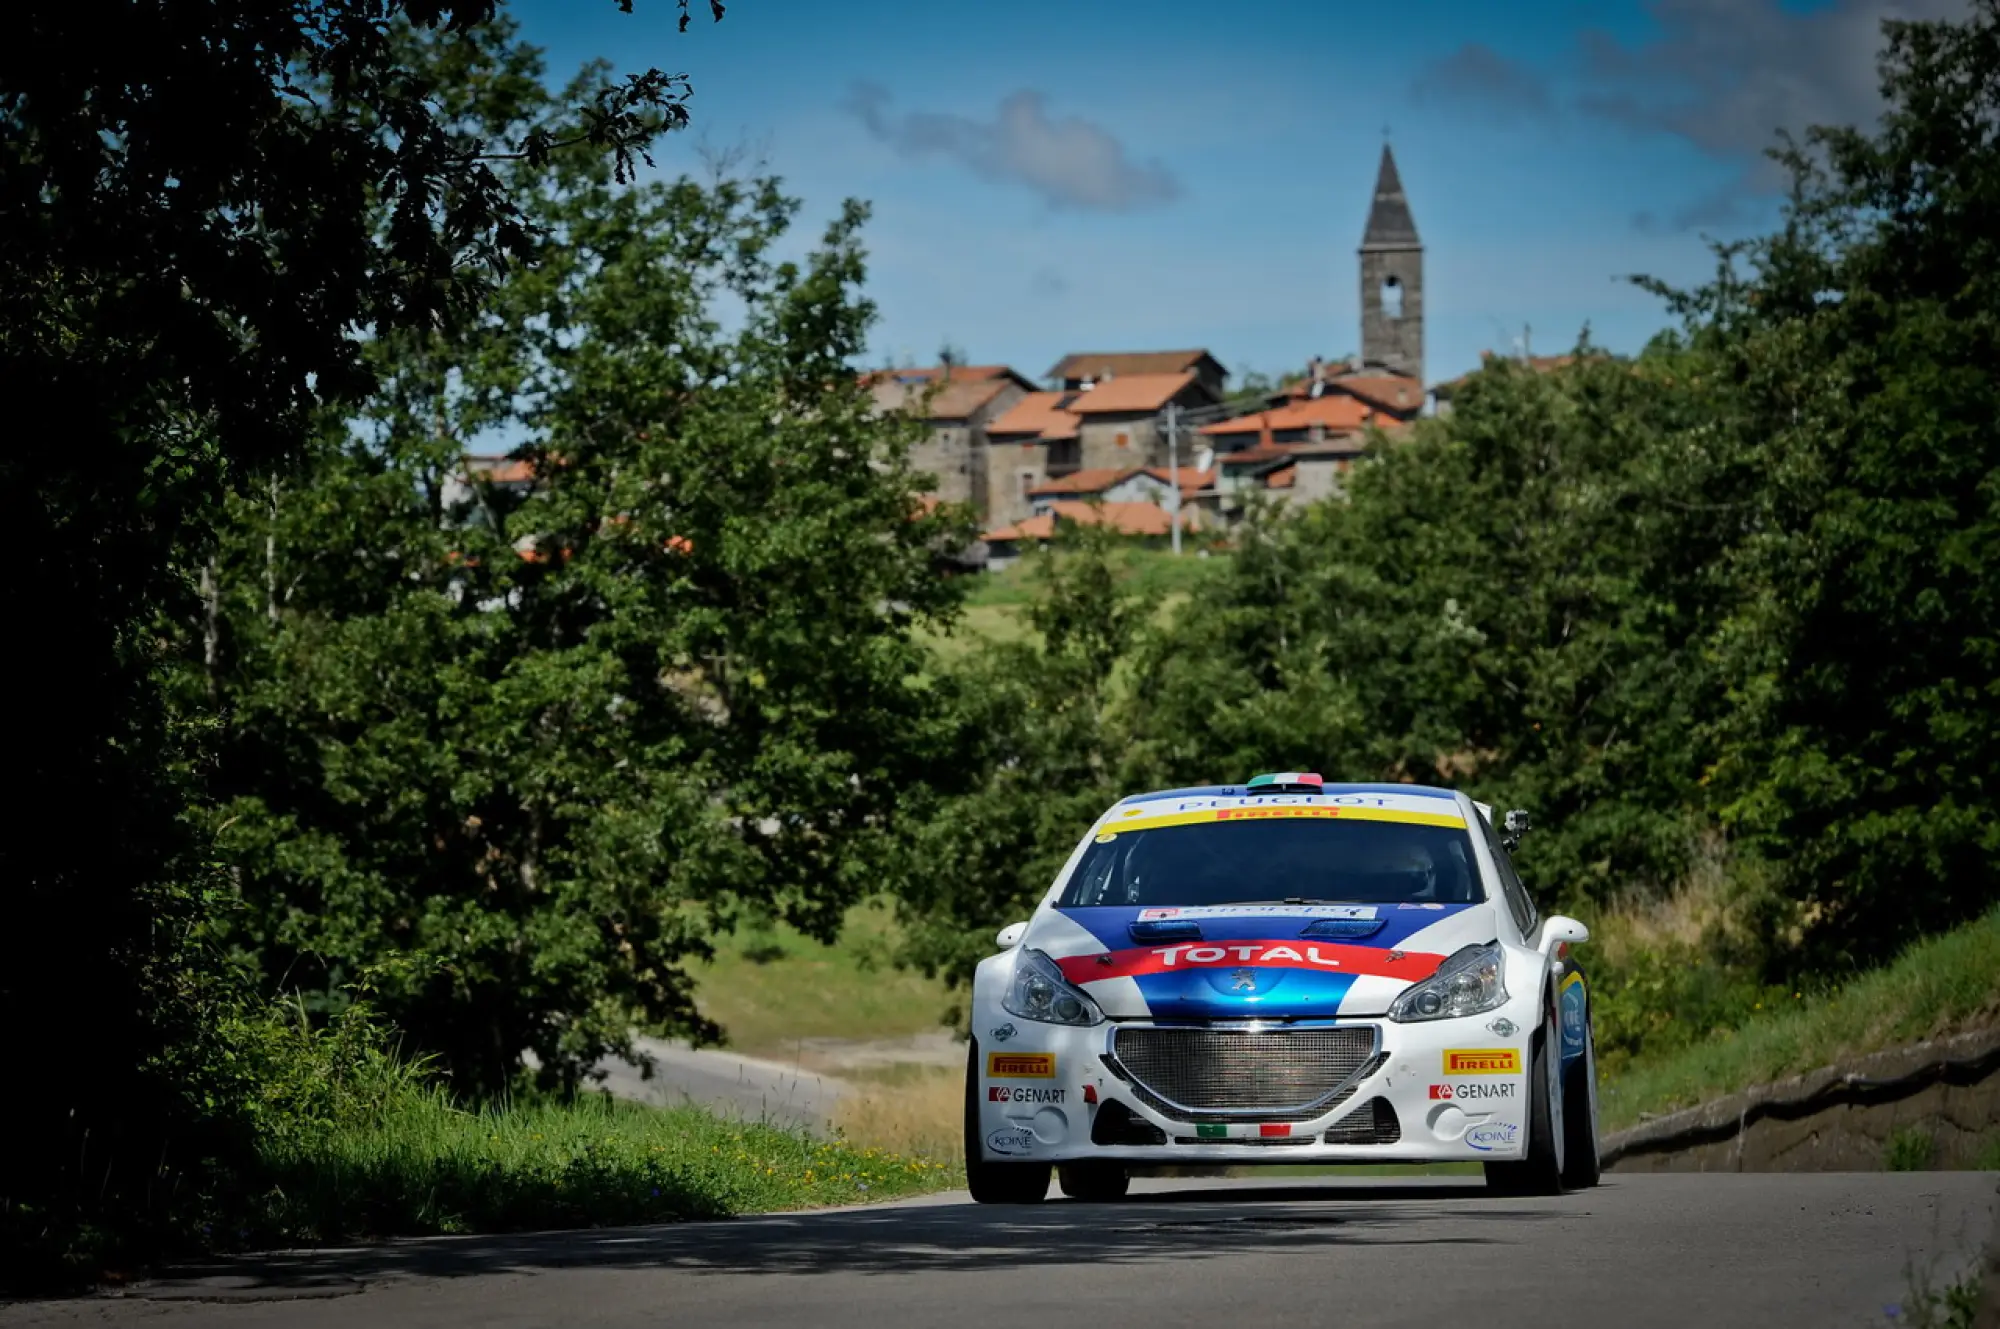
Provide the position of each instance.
(1720, 1249)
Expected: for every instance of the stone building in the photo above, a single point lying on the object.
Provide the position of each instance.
(1080, 370)
(958, 402)
(1392, 280)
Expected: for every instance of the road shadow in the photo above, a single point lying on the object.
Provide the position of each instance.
(1170, 1222)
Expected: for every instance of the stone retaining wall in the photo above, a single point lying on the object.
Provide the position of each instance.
(1836, 1119)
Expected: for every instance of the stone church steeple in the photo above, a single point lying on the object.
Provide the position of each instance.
(1392, 279)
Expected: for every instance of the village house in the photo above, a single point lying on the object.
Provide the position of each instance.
(958, 403)
(1081, 370)
(1033, 440)
(1147, 524)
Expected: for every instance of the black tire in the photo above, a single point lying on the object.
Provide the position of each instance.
(1096, 1183)
(1582, 1164)
(1541, 1172)
(995, 1183)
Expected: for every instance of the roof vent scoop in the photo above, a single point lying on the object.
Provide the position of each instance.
(1287, 782)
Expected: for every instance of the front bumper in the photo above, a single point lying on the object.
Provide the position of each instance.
(1438, 1091)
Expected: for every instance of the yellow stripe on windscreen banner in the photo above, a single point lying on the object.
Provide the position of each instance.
(1205, 815)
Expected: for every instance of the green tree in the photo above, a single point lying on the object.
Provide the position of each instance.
(1036, 757)
(542, 744)
(209, 210)
(1860, 340)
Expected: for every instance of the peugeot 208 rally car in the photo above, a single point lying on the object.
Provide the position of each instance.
(1285, 971)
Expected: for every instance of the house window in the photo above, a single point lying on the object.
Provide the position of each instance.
(1027, 482)
(1063, 455)
(1123, 438)
(1392, 297)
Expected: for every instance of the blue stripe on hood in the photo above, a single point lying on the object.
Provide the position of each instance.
(1210, 994)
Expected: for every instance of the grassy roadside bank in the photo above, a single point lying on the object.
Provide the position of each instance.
(1940, 986)
(422, 1168)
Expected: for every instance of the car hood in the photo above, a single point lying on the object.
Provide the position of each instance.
(1254, 961)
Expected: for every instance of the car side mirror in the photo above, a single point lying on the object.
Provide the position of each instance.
(1512, 827)
(1010, 936)
(1559, 931)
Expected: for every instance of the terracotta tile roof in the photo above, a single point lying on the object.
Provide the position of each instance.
(1283, 478)
(1039, 414)
(1131, 393)
(499, 470)
(1097, 364)
(1039, 527)
(1333, 412)
(1093, 481)
(1392, 392)
(1190, 479)
(926, 373)
(957, 399)
(1124, 518)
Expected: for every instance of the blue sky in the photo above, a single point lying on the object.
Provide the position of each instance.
(1104, 175)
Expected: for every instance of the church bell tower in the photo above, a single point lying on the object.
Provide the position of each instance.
(1392, 280)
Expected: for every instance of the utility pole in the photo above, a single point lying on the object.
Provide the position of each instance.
(1174, 472)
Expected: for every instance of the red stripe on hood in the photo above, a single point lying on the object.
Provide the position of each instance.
(1278, 953)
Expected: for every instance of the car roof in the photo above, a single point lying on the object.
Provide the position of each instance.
(1240, 791)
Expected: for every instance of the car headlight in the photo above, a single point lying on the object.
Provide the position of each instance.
(1466, 984)
(1040, 992)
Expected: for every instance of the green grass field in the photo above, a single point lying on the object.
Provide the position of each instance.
(770, 987)
(996, 607)
(1940, 986)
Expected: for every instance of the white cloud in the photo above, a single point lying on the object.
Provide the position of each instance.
(1069, 162)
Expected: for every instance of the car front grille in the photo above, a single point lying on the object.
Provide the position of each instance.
(1270, 1074)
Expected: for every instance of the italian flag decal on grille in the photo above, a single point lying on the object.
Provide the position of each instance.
(1215, 1130)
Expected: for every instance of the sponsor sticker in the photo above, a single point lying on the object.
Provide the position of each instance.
(1482, 1061)
(1107, 837)
(1572, 999)
(1330, 957)
(1431, 907)
(1493, 1135)
(1011, 1140)
(1021, 1065)
(1475, 1090)
(1021, 1093)
(1345, 911)
(1200, 811)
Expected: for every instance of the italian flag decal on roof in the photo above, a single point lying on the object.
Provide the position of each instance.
(1286, 778)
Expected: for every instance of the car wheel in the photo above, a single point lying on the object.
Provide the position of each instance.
(1094, 1182)
(1582, 1167)
(995, 1183)
(1541, 1172)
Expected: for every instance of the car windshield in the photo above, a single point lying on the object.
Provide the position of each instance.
(1304, 861)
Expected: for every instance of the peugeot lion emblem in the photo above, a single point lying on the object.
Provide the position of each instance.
(1246, 981)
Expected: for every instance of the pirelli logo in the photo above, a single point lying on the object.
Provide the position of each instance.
(1483, 1061)
(1021, 1065)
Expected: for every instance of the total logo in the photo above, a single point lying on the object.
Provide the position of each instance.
(1261, 953)
(1463, 1092)
(1003, 1093)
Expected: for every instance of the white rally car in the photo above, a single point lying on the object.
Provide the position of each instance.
(1285, 971)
